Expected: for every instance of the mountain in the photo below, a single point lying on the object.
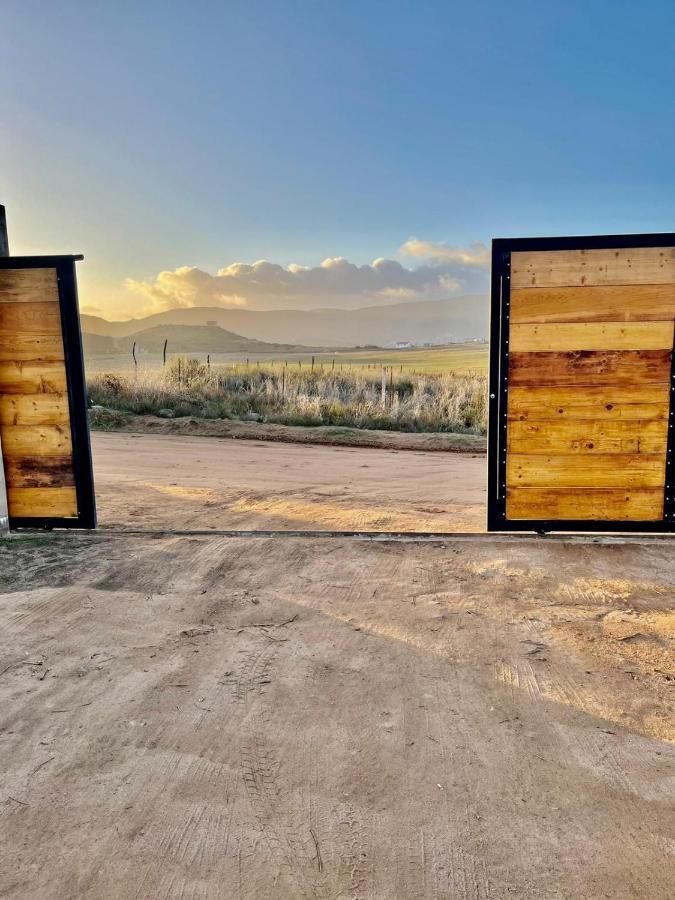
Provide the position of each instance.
(181, 338)
(435, 321)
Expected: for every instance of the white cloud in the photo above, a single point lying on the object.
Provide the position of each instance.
(334, 282)
(476, 256)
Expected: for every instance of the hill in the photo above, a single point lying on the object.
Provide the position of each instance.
(181, 338)
(437, 321)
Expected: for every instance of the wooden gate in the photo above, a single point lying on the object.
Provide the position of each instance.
(582, 384)
(44, 433)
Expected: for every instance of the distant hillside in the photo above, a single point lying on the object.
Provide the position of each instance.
(181, 338)
(436, 321)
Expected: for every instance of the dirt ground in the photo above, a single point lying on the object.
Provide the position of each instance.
(210, 717)
(167, 481)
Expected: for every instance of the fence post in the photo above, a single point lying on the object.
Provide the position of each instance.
(164, 353)
(312, 364)
(179, 371)
(283, 383)
(384, 386)
(133, 353)
(208, 362)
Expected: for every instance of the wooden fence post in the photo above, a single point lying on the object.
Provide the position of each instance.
(384, 386)
(164, 354)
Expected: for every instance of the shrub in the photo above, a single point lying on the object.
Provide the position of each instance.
(429, 403)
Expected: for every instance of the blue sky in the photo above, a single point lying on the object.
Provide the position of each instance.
(155, 136)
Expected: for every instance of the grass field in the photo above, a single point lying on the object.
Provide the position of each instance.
(299, 395)
(458, 358)
(455, 358)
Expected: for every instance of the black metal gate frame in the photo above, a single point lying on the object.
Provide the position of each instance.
(500, 304)
(77, 392)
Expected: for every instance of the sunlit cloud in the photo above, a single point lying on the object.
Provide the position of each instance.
(476, 256)
(336, 281)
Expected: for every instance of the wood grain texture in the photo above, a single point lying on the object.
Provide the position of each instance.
(16, 346)
(58, 502)
(34, 409)
(592, 504)
(41, 471)
(590, 367)
(558, 268)
(598, 303)
(28, 286)
(585, 437)
(35, 440)
(585, 470)
(603, 404)
(32, 377)
(570, 336)
(35, 317)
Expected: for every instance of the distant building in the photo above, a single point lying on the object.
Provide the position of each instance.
(403, 345)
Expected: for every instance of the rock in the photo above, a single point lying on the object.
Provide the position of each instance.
(166, 413)
(253, 417)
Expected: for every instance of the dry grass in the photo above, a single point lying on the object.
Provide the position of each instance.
(414, 403)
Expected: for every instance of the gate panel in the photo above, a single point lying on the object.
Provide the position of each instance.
(581, 376)
(43, 427)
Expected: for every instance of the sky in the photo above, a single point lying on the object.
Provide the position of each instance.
(311, 153)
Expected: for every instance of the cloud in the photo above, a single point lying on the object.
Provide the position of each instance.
(334, 282)
(476, 256)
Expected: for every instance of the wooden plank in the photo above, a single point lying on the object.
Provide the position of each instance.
(32, 317)
(33, 377)
(646, 402)
(40, 471)
(567, 336)
(34, 409)
(598, 303)
(584, 436)
(16, 345)
(36, 440)
(28, 285)
(57, 502)
(557, 268)
(590, 367)
(585, 470)
(592, 504)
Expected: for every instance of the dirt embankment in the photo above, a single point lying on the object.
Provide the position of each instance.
(331, 435)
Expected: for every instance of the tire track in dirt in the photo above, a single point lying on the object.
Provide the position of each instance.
(290, 842)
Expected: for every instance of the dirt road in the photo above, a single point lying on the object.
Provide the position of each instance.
(314, 718)
(198, 482)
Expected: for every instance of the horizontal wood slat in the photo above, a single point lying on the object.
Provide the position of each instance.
(28, 285)
(33, 377)
(29, 318)
(592, 504)
(34, 409)
(570, 336)
(18, 347)
(590, 367)
(48, 502)
(40, 471)
(557, 268)
(603, 404)
(599, 303)
(36, 440)
(585, 470)
(585, 437)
